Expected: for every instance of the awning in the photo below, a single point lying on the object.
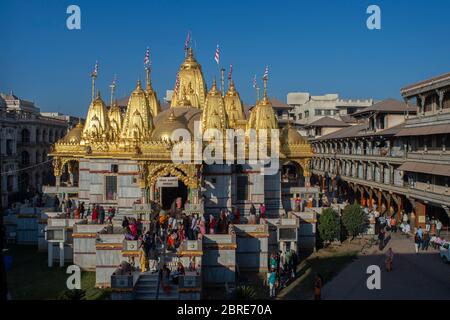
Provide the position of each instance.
(424, 130)
(422, 167)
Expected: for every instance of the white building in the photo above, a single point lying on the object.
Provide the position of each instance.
(307, 108)
(25, 139)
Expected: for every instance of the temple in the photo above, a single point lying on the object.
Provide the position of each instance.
(116, 159)
(123, 159)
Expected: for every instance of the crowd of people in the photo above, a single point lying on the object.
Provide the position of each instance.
(282, 269)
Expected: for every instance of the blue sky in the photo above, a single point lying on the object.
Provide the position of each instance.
(316, 46)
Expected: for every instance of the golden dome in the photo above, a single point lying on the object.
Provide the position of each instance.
(138, 122)
(74, 134)
(289, 135)
(164, 128)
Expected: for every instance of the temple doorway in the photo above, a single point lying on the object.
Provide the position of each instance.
(292, 175)
(169, 194)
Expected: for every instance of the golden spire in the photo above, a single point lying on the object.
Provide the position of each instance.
(233, 105)
(97, 121)
(262, 115)
(190, 72)
(152, 98)
(214, 114)
(138, 121)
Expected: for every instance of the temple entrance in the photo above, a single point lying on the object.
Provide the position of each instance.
(292, 175)
(169, 194)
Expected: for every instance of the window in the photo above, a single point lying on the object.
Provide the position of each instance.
(9, 147)
(307, 114)
(242, 188)
(327, 112)
(317, 112)
(25, 158)
(114, 168)
(25, 136)
(111, 188)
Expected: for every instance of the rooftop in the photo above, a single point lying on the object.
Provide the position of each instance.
(387, 106)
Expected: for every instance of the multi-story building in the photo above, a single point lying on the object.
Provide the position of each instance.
(396, 156)
(307, 108)
(25, 140)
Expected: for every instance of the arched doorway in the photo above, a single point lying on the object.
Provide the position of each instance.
(168, 195)
(292, 175)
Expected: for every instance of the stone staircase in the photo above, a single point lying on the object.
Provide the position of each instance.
(147, 288)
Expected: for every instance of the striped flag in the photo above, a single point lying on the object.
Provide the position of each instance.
(254, 81)
(147, 58)
(95, 72)
(266, 73)
(231, 72)
(216, 56)
(188, 40)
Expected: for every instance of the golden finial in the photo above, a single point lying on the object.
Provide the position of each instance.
(265, 87)
(190, 53)
(149, 82)
(139, 85)
(171, 116)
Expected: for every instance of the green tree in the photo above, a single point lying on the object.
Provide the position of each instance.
(353, 219)
(328, 225)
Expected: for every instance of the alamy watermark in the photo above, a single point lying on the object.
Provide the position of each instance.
(257, 148)
(73, 21)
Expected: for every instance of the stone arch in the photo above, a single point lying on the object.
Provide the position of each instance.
(186, 173)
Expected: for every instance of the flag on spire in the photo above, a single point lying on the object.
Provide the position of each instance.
(188, 41)
(147, 58)
(216, 56)
(231, 72)
(254, 81)
(95, 72)
(266, 73)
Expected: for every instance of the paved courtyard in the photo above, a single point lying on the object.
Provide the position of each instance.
(422, 276)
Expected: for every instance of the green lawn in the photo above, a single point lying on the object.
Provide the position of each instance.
(31, 278)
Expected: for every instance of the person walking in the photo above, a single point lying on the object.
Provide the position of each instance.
(381, 237)
(82, 210)
(389, 260)
(417, 242)
(438, 227)
(271, 281)
(101, 215)
(318, 283)
(425, 241)
(95, 214)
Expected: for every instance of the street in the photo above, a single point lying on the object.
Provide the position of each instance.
(422, 276)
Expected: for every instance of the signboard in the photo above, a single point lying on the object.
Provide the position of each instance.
(192, 245)
(287, 234)
(167, 182)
